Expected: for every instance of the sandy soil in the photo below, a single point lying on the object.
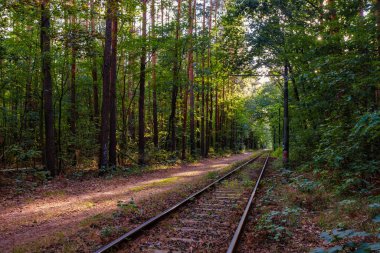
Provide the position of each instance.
(63, 204)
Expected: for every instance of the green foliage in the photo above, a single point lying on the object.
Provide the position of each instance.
(274, 223)
(305, 185)
(277, 153)
(338, 235)
(334, 75)
(212, 175)
(72, 35)
(42, 176)
(126, 208)
(107, 231)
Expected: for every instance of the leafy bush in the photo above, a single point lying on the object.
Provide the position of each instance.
(274, 223)
(277, 153)
(305, 185)
(350, 150)
(126, 208)
(107, 231)
(337, 235)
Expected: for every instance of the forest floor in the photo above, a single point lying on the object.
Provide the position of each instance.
(95, 207)
(295, 212)
(290, 213)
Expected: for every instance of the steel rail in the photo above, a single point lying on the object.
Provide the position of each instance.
(168, 211)
(235, 240)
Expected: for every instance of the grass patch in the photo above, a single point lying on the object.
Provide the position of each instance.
(39, 245)
(55, 193)
(212, 175)
(158, 183)
(92, 220)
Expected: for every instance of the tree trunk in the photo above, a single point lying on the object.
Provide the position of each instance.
(113, 80)
(279, 127)
(377, 14)
(191, 76)
(73, 110)
(285, 156)
(172, 118)
(124, 128)
(95, 84)
(209, 89)
(295, 88)
(184, 123)
(203, 84)
(50, 158)
(105, 121)
(154, 79)
(131, 111)
(142, 88)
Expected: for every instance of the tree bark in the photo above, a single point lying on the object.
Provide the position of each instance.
(191, 76)
(154, 78)
(295, 88)
(50, 157)
(377, 14)
(73, 109)
(172, 118)
(209, 110)
(95, 89)
(184, 123)
(203, 83)
(285, 156)
(113, 80)
(142, 88)
(124, 127)
(105, 121)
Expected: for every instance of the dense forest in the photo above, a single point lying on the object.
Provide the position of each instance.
(119, 82)
(111, 111)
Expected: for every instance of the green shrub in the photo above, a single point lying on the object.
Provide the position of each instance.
(274, 223)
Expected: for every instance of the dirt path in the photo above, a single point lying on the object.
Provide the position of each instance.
(64, 204)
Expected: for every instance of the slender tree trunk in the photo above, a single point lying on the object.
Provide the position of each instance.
(123, 145)
(105, 121)
(203, 83)
(191, 76)
(286, 118)
(216, 118)
(113, 80)
(209, 89)
(142, 89)
(95, 84)
(154, 79)
(131, 111)
(295, 88)
(172, 118)
(50, 158)
(210, 119)
(377, 14)
(279, 127)
(73, 109)
(184, 123)
(207, 134)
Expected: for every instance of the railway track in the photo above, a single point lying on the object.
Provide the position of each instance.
(210, 220)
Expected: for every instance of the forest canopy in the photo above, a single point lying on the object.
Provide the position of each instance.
(88, 83)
